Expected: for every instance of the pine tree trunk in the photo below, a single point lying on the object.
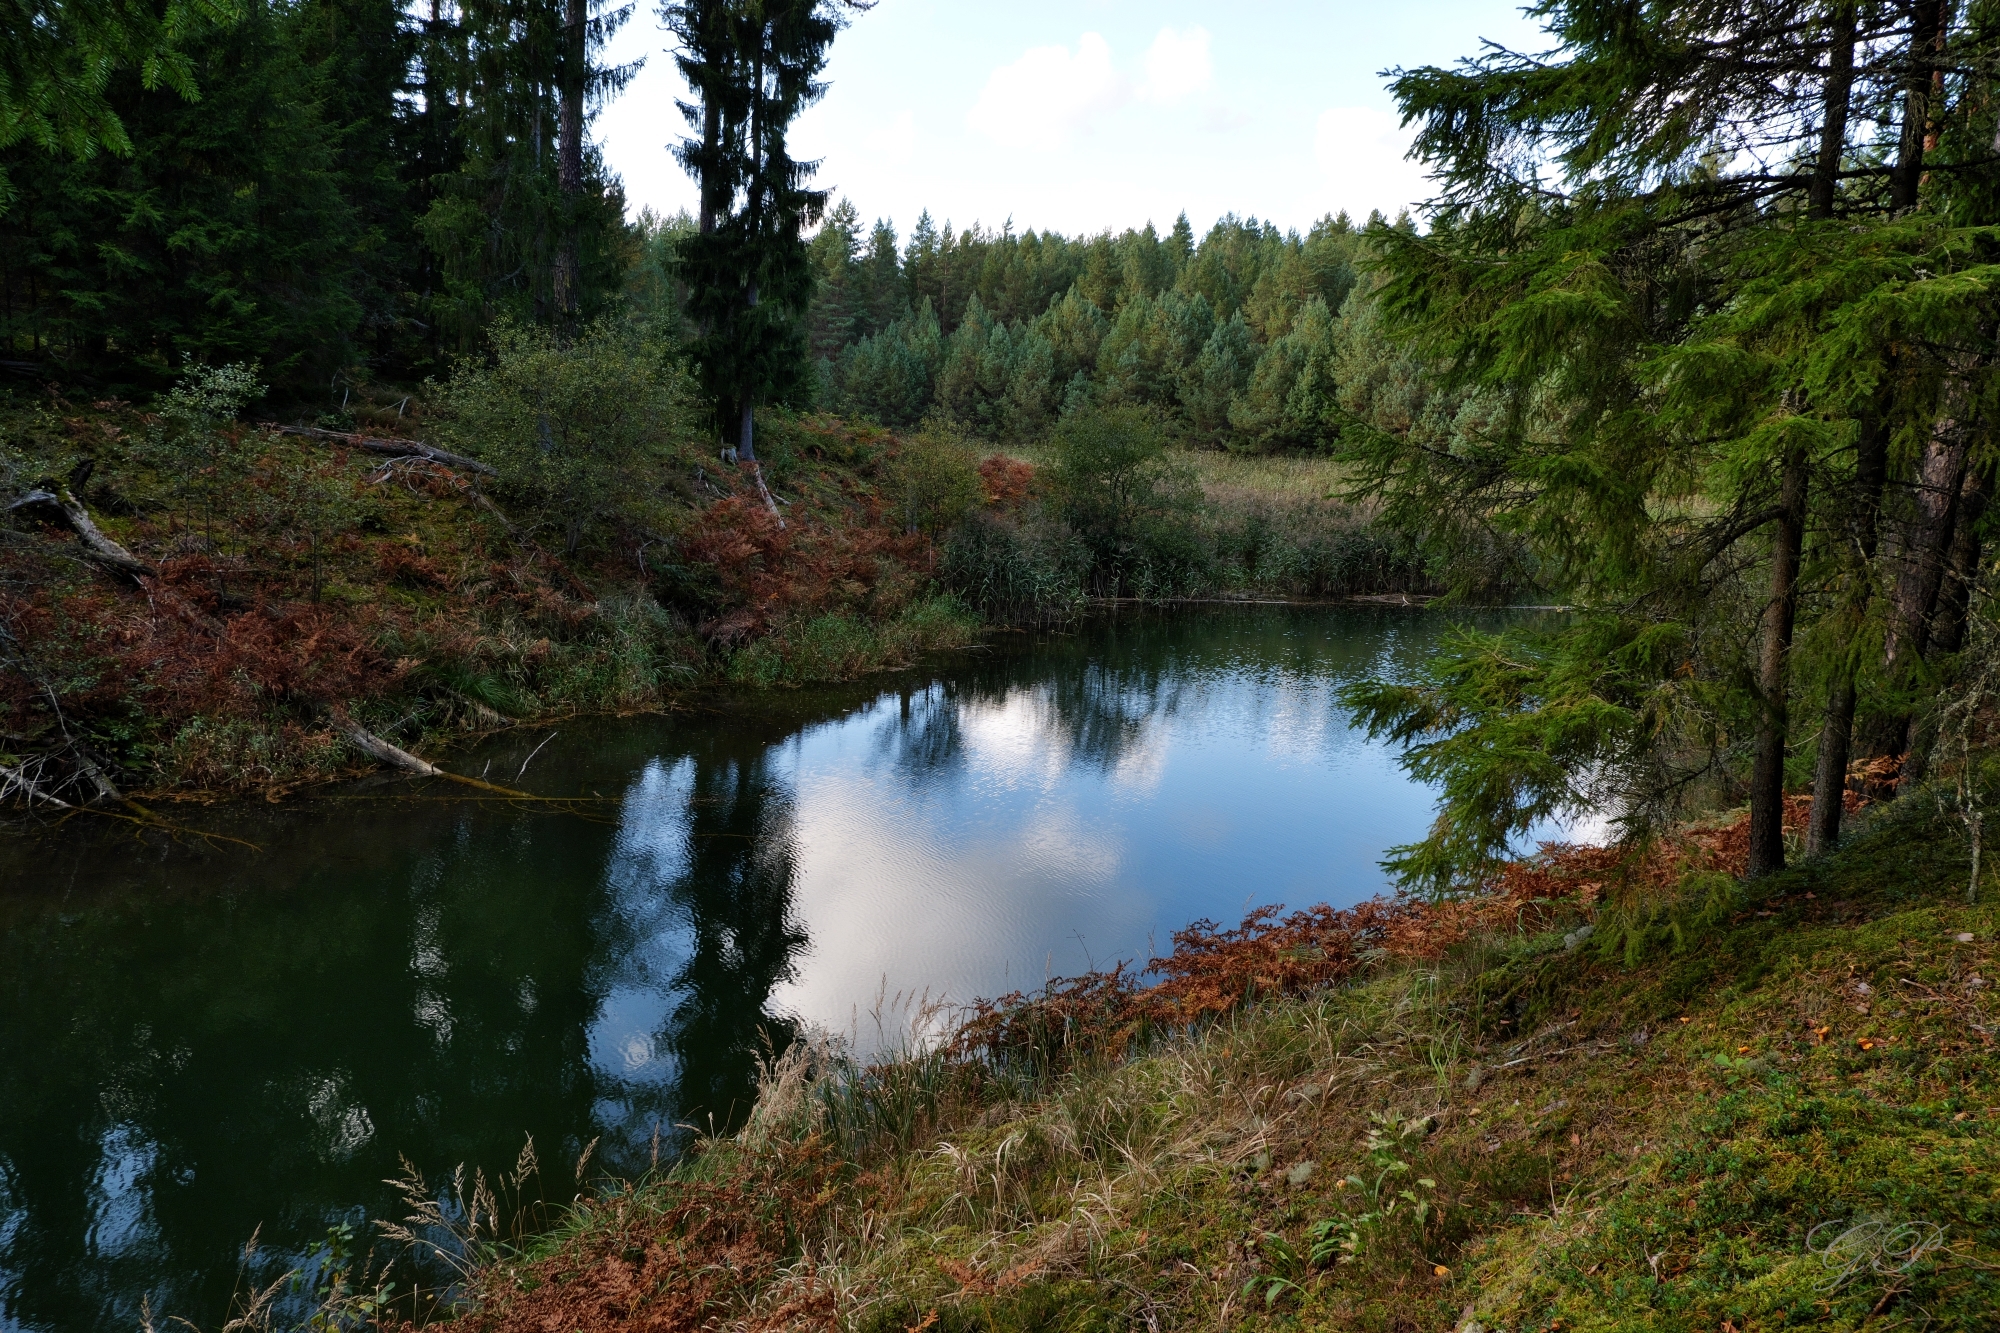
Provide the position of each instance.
(1925, 556)
(569, 156)
(1767, 776)
(1836, 736)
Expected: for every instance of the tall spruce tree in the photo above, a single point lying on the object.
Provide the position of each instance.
(753, 66)
(525, 221)
(1646, 245)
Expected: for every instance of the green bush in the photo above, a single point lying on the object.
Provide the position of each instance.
(1132, 505)
(570, 424)
(195, 449)
(933, 479)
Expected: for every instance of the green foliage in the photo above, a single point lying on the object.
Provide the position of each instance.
(654, 299)
(840, 646)
(889, 377)
(61, 54)
(572, 425)
(1012, 333)
(1127, 499)
(1380, 1196)
(306, 209)
(1016, 572)
(1638, 369)
(996, 379)
(197, 448)
(933, 479)
(749, 275)
(236, 228)
(508, 236)
(1522, 727)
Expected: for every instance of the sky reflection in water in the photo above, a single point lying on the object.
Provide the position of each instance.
(194, 1044)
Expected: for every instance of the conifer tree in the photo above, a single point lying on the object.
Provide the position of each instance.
(1633, 249)
(754, 65)
(58, 59)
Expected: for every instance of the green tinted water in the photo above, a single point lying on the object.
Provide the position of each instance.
(202, 1042)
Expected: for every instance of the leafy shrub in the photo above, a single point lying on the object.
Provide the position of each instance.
(194, 450)
(571, 425)
(933, 480)
(1132, 505)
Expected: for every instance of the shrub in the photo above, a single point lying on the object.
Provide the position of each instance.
(195, 450)
(1131, 504)
(570, 424)
(934, 479)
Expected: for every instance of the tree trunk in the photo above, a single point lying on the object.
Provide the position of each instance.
(1836, 735)
(1836, 729)
(376, 748)
(1767, 778)
(385, 447)
(1948, 624)
(746, 441)
(1926, 30)
(1833, 117)
(102, 549)
(1954, 607)
(1925, 555)
(569, 155)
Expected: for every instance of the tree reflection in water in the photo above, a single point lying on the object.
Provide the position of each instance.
(198, 1043)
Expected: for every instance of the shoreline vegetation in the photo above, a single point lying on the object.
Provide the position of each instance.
(200, 606)
(1613, 1088)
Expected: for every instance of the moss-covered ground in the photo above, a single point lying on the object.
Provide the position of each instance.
(1776, 1106)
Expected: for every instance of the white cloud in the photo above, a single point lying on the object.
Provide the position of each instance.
(1046, 96)
(1360, 153)
(896, 142)
(1177, 65)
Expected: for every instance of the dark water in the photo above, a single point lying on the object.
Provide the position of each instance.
(199, 1042)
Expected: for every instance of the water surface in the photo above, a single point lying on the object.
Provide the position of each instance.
(197, 1042)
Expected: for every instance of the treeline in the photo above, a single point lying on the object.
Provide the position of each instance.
(1242, 339)
(332, 188)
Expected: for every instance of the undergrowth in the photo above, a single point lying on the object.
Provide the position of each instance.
(1599, 1094)
(286, 575)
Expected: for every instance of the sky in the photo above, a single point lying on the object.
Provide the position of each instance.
(1092, 114)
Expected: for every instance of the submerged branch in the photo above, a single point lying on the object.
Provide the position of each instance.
(370, 744)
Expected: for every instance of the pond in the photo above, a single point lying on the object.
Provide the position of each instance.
(202, 1042)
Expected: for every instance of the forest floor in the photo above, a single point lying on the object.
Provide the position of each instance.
(282, 580)
(1724, 1106)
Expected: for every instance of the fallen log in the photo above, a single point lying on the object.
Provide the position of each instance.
(374, 746)
(17, 779)
(375, 444)
(59, 499)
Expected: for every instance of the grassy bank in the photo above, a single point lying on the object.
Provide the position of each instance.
(1722, 1106)
(284, 575)
(261, 581)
